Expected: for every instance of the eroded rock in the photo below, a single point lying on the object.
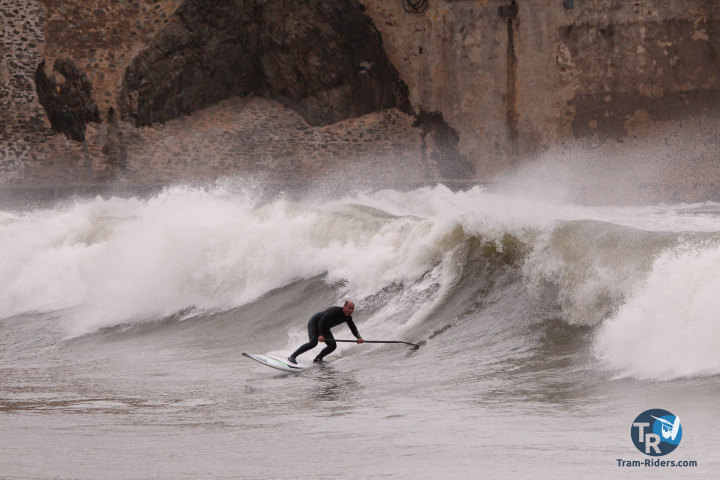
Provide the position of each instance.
(67, 101)
(323, 59)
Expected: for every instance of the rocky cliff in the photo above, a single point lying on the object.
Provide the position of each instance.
(469, 89)
(323, 59)
(515, 78)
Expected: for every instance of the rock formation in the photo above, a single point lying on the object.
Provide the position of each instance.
(68, 103)
(440, 146)
(492, 83)
(323, 59)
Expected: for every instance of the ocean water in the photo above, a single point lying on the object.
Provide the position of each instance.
(544, 329)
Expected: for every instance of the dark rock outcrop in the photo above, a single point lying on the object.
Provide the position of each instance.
(69, 105)
(115, 149)
(322, 58)
(440, 144)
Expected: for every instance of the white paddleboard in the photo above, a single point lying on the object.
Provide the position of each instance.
(276, 362)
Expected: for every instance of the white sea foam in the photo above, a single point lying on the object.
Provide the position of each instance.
(104, 262)
(670, 327)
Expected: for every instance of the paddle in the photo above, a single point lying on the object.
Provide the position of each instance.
(378, 341)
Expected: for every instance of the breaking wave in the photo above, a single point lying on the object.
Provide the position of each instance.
(642, 277)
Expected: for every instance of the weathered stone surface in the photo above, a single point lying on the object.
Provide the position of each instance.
(323, 59)
(667, 68)
(22, 119)
(642, 73)
(583, 73)
(115, 147)
(69, 104)
(440, 145)
(102, 45)
(206, 53)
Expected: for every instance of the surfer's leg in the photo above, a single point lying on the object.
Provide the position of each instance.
(331, 346)
(312, 335)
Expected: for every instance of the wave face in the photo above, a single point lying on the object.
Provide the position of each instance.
(669, 328)
(418, 263)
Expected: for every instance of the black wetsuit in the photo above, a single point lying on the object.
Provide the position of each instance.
(320, 324)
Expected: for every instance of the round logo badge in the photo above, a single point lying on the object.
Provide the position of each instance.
(656, 432)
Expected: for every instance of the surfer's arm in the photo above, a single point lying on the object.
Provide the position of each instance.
(354, 330)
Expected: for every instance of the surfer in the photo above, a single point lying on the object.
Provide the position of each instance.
(319, 330)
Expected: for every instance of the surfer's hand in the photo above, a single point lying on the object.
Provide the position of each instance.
(321, 339)
(360, 340)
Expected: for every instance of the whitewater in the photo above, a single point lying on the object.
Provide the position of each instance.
(545, 327)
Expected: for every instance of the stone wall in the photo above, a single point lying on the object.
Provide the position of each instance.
(656, 59)
(102, 37)
(237, 135)
(517, 81)
(261, 136)
(22, 119)
(502, 81)
(452, 56)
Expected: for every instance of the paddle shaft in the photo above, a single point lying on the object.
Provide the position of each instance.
(377, 341)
